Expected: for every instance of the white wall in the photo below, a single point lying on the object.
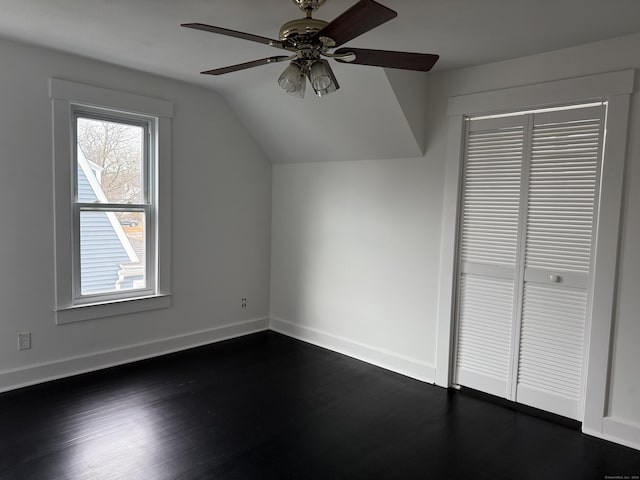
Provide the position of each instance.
(356, 245)
(221, 197)
(355, 256)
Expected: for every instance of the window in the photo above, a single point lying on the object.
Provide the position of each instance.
(113, 206)
(112, 198)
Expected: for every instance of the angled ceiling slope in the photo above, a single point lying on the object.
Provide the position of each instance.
(364, 120)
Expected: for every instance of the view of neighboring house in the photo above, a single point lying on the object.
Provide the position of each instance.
(109, 261)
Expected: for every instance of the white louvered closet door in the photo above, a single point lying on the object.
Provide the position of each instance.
(530, 185)
(563, 185)
(488, 253)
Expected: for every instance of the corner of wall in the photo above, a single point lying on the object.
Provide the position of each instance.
(410, 89)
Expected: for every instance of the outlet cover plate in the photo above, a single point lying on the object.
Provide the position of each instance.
(24, 341)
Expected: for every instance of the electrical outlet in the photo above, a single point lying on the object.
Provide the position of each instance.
(244, 302)
(24, 341)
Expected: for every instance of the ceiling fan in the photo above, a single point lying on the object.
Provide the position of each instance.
(309, 39)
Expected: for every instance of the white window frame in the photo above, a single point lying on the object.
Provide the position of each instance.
(615, 89)
(69, 100)
(146, 206)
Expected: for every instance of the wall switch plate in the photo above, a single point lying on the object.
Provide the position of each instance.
(24, 341)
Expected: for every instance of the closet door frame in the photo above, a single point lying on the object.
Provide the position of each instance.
(614, 89)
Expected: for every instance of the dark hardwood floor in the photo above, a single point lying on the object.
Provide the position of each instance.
(267, 406)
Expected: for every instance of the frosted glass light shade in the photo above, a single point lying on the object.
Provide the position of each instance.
(293, 80)
(322, 78)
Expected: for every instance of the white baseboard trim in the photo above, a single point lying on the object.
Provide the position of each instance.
(382, 358)
(618, 431)
(622, 431)
(13, 379)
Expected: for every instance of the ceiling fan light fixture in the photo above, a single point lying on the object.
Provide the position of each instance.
(293, 80)
(322, 78)
(307, 39)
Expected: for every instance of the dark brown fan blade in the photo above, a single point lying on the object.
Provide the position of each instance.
(422, 62)
(234, 33)
(362, 17)
(243, 66)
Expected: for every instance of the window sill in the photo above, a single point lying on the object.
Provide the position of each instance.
(79, 313)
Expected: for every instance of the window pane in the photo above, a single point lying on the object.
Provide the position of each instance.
(110, 159)
(112, 246)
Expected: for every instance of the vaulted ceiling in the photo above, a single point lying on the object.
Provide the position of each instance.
(373, 115)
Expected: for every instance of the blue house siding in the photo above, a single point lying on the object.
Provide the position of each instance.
(85, 192)
(101, 251)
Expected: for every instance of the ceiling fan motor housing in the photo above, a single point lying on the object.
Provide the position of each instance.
(301, 26)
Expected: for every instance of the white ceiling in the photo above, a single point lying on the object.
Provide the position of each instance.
(145, 35)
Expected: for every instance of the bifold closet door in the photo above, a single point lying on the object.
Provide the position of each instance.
(563, 179)
(529, 198)
(488, 253)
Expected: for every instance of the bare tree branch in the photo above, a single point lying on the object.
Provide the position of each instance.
(117, 149)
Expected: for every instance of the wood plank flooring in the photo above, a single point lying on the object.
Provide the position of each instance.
(269, 407)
